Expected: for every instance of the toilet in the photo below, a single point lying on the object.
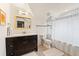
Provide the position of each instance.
(47, 43)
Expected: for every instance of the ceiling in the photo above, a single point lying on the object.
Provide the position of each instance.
(40, 10)
(53, 7)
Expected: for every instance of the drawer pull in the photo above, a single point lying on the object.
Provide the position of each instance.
(11, 46)
(11, 53)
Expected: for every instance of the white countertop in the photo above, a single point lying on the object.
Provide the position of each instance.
(17, 35)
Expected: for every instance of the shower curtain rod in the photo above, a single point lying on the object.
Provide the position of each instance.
(67, 14)
(43, 25)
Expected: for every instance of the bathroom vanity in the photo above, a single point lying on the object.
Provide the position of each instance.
(19, 45)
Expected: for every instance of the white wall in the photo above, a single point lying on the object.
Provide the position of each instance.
(67, 30)
(2, 41)
(5, 8)
(75, 30)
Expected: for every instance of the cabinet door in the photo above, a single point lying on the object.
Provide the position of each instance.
(20, 45)
(10, 47)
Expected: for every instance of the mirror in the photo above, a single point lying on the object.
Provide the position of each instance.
(22, 22)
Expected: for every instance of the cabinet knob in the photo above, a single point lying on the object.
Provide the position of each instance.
(11, 53)
(11, 46)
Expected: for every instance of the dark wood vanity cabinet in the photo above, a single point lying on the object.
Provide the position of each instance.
(16, 46)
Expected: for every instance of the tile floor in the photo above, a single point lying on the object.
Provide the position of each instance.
(43, 51)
